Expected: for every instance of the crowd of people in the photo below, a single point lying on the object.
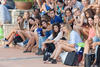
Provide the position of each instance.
(60, 23)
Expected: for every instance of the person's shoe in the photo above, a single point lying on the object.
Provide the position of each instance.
(95, 65)
(54, 61)
(27, 51)
(4, 39)
(6, 46)
(50, 59)
(43, 52)
(21, 44)
(39, 52)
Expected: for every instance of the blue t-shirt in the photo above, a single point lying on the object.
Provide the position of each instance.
(57, 19)
(39, 31)
(47, 33)
(47, 7)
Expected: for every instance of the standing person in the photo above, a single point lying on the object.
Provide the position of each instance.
(4, 13)
(10, 4)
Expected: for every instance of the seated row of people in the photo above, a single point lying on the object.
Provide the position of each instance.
(75, 27)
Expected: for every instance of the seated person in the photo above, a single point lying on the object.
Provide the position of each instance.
(96, 39)
(91, 35)
(54, 18)
(15, 31)
(30, 35)
(68, 18)
(60, 8)
(88, 42)
(45, 7)
(26, 17)
(54, 37)
(93, 38)
(43, 33)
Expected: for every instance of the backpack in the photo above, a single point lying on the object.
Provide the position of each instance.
(17, 39)
(71, 59)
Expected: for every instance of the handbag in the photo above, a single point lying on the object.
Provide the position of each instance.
(17, 39)
(71, 59)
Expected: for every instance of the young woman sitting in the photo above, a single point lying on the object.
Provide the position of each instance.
(14, 32)
(54, 37)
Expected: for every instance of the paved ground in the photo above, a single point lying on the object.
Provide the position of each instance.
(13, 57)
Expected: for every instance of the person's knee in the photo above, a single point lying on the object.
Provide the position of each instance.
(95, 39)
(60, 46)
(32, 38)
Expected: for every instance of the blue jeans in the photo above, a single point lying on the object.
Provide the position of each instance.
(25, 42)
(41, 40)
(96, 39)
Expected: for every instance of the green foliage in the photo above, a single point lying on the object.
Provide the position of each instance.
(25, 0)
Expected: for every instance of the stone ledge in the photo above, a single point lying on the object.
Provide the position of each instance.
(16, 12)
(8, 28)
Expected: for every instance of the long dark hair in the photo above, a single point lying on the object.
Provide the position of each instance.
(90, 12)
(30, 25)
(68, 9)
(55, 33)
(92, 19)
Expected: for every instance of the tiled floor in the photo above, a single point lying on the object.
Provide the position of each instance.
(12, 57)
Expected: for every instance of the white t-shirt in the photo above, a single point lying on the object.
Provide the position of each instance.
(74, 38)
(57, 38)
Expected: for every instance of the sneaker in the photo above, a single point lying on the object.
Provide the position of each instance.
(50, 59)
(6, 46)
(39, 52)
(27, 51)
(21, 44)
(4, 39)
(54, 61)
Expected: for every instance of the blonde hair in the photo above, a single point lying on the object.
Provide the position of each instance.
(97, 27)
(27, 13)
(69, 29)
